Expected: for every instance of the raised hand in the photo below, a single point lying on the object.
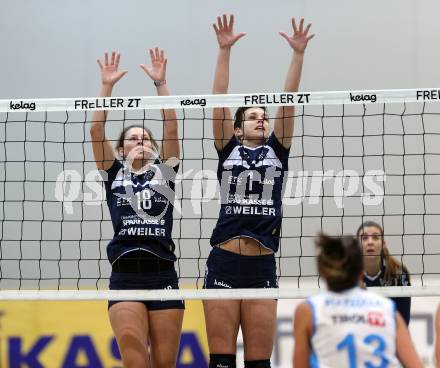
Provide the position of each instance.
(225, 31)
(109, 71)
(158, 69)
(300, 38)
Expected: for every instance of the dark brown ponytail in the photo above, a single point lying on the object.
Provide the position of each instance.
(339, 261)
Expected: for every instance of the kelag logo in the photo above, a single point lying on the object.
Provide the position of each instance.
(82, 351)
(22, 105)
(196, 101)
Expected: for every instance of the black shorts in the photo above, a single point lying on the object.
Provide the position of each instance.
(227, 270)
(144, 277)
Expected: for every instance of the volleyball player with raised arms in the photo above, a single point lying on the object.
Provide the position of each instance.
(140, 195)
(251, 169)
(347, 326)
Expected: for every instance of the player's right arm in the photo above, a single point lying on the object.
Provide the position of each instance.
(222, 125)
(405, 350)
(302, 332)
(102, 148)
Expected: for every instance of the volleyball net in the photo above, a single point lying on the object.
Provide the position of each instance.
(355, 156)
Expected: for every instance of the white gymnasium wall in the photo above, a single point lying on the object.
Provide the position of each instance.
(49, 47)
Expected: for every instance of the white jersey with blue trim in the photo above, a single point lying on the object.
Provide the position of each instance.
(354, 328)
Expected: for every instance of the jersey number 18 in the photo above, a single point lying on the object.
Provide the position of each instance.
(144, 199)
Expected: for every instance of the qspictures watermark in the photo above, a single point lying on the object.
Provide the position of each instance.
(299, 187)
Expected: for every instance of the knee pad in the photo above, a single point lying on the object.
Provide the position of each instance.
(257, 363)
(222, 361)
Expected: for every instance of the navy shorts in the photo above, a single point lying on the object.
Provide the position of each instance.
(147, 280)
(227, 270)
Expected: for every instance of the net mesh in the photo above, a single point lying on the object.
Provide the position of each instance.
(350, 162)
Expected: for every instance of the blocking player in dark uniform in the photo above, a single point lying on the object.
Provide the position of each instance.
(380, 267)
(140, 196)
(251, 170)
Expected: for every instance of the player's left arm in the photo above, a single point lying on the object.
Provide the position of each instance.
(157, 72)
(302, 332)
(284, 121)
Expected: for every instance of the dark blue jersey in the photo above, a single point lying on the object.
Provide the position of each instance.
(251, 192)
(403, 304)
(141, 209)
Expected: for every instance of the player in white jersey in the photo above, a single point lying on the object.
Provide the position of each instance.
(347, 326)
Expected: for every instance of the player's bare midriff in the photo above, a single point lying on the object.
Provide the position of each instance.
(245, 246)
